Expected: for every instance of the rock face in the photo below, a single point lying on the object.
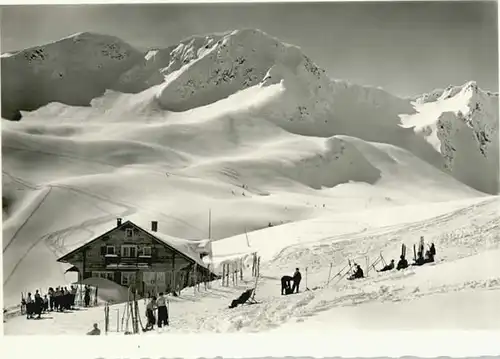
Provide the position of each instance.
(73, 71)
(461, 123)
(455, 129)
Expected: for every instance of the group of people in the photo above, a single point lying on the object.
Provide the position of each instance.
(420, 259)
(58, 299)
(35, 305)
(286, 288)
(160, 305)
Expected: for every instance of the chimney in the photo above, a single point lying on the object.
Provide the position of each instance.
(118, 222)
(154, 226)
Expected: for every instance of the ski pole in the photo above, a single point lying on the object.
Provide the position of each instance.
(329, 273)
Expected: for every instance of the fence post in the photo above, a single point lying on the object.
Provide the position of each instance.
(106, 318)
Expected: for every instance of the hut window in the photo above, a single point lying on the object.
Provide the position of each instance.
(110, 250)
(129, 251)
(129, 232)
(128, 278)
(146, 251)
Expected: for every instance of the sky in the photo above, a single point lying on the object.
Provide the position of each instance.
(407, 48)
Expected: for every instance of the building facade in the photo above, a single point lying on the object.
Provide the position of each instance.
(142, 259)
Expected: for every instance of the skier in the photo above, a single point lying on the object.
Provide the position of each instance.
(387, 267)
(358, 273)
(51, 299)
(433, 250)
(162, 311)
(87, 296)
(45, 304)
(429, 258)
(242, 298)
(38, 306)
(150, 307)
(285, 284)
(29, 307)
(60, 300)
(95, 330)
(73, 295)
(420, 259)
(403, 263)
(297, 277)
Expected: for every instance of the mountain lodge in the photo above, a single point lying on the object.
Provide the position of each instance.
(146, 260)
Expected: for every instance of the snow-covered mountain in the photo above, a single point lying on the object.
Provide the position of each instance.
(202, 70)
(73, 70)
(461, 123)
(238, 122)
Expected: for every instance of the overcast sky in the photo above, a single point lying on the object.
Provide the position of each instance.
(405, 48)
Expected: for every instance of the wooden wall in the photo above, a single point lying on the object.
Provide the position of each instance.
(177, 269)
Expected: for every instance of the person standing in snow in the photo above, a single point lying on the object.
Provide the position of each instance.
(87, 296)
(29, 307)
(73, 296)
(150, 307)
(38, 304)
(285, 284)
(67, 299)
(45, 304)
(161, 303)
(51, 298)
(297, 277)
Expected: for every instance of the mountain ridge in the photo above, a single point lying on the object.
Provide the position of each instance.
(204, 69)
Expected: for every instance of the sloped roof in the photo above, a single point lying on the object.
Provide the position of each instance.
(187, 248)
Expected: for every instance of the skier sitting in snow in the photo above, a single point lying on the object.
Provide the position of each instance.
(297, 277)
(242, 298)
(387, 267)
(402, 264)
(285, 285)
(429, 258)
(95, 330)
(420, 259)
(358, 273)
(432, 249)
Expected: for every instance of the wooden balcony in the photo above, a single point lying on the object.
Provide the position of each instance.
(140, 261)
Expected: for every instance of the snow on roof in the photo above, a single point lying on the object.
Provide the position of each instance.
(190, 248)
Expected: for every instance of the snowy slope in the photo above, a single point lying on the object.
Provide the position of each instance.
(73, 70)
(465, 274)
(238, 123)
(205, 161)
(204, 69)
